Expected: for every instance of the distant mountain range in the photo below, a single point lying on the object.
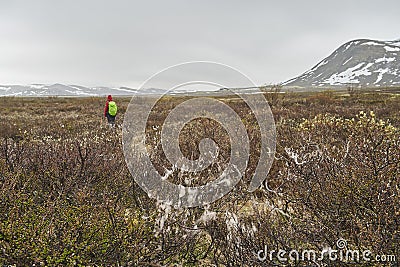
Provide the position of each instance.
(70, 90)
(59, 89)
(360, 62)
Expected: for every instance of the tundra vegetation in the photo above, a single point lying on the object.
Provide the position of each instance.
(68, 199)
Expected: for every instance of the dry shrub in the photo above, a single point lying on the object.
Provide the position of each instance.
(67, 198)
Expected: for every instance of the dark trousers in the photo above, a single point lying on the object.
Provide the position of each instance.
(111, 119)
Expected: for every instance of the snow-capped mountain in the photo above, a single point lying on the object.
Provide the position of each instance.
(69, 90)
(359, 62)
(77, 90)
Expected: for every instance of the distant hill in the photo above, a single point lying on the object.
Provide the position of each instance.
(361, 62)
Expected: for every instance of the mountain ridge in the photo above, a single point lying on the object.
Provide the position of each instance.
(59, 89)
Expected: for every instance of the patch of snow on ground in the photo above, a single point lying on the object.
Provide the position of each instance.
(392, 49)
(78, 92)
(343, 77)
(347, 46)
(363, 71)
(36, 86)
(395, 42)
(380, 74)
(125, 90)
(318, 75)
(385, 59)
(347, 61)
(372, 43)
(14, 94)
(75, 87)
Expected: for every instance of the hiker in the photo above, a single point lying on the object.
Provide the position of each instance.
(110, 111)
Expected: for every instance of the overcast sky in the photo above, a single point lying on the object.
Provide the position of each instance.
(122, 43)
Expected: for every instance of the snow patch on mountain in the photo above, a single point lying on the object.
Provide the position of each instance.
(5, 88)
(381, 72)
(384, 59)
(392, 49)
(344, 63)
(372, 43)
(350, 75)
